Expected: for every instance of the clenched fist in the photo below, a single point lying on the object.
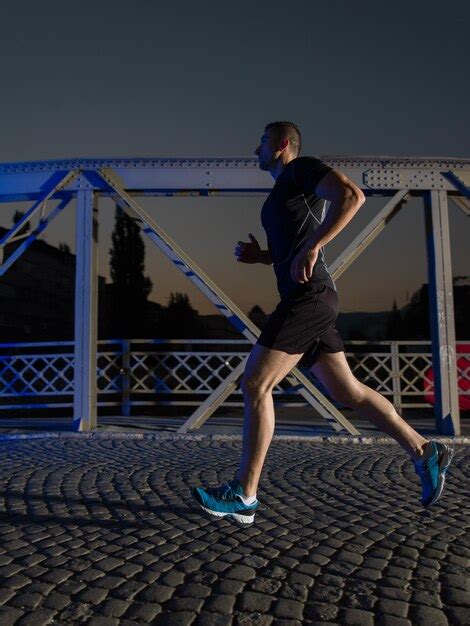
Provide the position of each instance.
(248, 252)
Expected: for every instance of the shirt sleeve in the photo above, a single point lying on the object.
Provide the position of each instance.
(308, 172)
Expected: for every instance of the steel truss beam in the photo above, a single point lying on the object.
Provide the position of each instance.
(23, 181)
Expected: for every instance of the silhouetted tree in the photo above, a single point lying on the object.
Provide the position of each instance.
(64, 247)
(179, 320)
(257, 316)
(130, 288)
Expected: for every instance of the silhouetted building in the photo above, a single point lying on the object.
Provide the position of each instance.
(416, 318)
(37, 294)
(218, 327)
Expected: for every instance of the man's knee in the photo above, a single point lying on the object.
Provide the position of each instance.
(254, 386)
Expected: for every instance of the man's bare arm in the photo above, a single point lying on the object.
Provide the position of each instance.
(346, 199)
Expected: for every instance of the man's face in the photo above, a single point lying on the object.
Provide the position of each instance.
(267, 152)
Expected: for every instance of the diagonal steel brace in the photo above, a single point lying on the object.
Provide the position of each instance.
(51, 188)
(462, 203)
(368, 234)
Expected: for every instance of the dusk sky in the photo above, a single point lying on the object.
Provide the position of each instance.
(201, 79)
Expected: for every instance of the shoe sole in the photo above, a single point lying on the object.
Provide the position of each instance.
(241, 518)
(444, 462)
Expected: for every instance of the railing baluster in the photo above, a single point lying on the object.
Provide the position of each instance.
(396, 374)
(126, 373)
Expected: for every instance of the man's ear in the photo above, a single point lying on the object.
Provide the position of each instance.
(284, 143)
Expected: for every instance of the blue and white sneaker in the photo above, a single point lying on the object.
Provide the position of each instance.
(432, 471)
(226, 500)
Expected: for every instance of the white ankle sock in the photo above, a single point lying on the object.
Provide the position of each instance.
(248, 499)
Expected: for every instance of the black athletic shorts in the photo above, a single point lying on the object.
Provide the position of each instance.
(304, 322)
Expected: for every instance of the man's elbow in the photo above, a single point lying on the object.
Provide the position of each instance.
(353, 195)
(359, 196)
(336, 187)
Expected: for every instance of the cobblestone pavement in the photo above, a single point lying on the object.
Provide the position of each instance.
(102, 531)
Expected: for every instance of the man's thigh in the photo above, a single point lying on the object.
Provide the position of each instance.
(333, 371)
(266, 367)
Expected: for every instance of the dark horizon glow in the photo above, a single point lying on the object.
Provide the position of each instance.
(191, 80)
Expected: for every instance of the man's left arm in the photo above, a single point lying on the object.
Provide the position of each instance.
(346, 198)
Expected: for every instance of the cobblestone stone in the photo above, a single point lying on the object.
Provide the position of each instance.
(230, 587)
(356, 617)
(222, 603)
(390, 620)
(94, 533)
(143, 611)
(265, 585)
(185, 603)
(213, 619)
(425, 615)
(26, 600)
(175, 618)
(9, 615)
(457, 597)
(319, 611)
(294, 592)
(36, 618)
(288, 608)
(106, 621)
(392, 607)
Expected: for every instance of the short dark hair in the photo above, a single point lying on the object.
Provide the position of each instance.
(290, 131)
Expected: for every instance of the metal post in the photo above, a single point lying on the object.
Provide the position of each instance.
(396, 378)
(125, 371)
(441, 313)
(86, 311)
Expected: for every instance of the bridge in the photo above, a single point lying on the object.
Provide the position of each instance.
(84, 181)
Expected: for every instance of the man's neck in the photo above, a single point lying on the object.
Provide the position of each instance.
(278, 167)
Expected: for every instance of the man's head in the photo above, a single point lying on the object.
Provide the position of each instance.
(281, 140)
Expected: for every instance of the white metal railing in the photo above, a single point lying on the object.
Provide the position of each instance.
(183, 372)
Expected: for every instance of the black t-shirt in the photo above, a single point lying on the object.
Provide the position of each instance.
(290, 215)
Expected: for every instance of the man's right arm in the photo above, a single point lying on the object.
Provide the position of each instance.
(266, 257)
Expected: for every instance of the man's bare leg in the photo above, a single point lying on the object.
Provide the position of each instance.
(265, 368)
(335, 375)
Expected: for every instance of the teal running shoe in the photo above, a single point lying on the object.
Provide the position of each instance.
(226, 500)
(432, 472)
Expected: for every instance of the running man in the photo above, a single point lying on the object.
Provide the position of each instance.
(302, 324)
